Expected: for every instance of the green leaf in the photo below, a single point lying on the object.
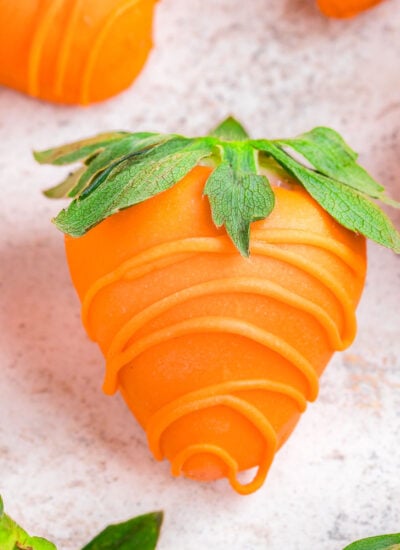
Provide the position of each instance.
(110, 156)
(140, 533)
(13, 537)
(121, 169)
(349, 207)
(63, 189)
(383, 542)
(330, 155)
(353, 210)
(238, 196)
(230, 130)
(78, 150)
(137, 178)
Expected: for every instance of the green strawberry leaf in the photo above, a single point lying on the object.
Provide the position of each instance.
(78, 150)
(138, 177)
(114, 153)
(238, 196)
(120, 170)
(13, 537)
(230, 130)
(383, 542)
(140, 533)
(349, 207)
(329, 154)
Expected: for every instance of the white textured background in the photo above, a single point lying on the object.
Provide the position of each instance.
(73, 460)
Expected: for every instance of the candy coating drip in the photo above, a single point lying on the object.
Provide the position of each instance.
(210, 397)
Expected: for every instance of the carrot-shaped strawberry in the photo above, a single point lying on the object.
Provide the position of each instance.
(345, 8)
(73, 51)
(218, 275)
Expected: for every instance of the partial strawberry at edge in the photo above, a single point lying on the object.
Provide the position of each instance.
(345, 8)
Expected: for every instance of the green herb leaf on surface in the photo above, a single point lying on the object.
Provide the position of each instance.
(13, 537)
(140, 533)
(383, 542)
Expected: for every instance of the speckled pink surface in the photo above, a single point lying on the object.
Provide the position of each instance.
(73, 460)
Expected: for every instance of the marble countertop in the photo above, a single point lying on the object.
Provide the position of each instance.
(73, 460)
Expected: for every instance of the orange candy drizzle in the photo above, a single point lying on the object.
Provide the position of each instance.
(322, 256)
(122, 353)
(345, 8)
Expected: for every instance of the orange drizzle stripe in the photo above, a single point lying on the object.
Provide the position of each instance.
(97, 44)
(225, 388)
(317, 272)
(133, 268)
(65, 48)
(146, 262)
(300, 236)
(37, 45)
(223, 286)
(232, 466)
(213, 324)
(195, 401)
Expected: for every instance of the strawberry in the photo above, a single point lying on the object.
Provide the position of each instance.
(345, 8)
(74, 51)
(218, 275)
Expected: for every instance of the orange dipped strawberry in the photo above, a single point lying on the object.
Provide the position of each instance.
(73, 51)
(218, 275)
(345, 8)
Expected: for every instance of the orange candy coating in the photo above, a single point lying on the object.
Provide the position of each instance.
(73, 51)
(216, 354)
(345, 8)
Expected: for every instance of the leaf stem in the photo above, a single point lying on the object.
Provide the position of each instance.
(240, 156)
